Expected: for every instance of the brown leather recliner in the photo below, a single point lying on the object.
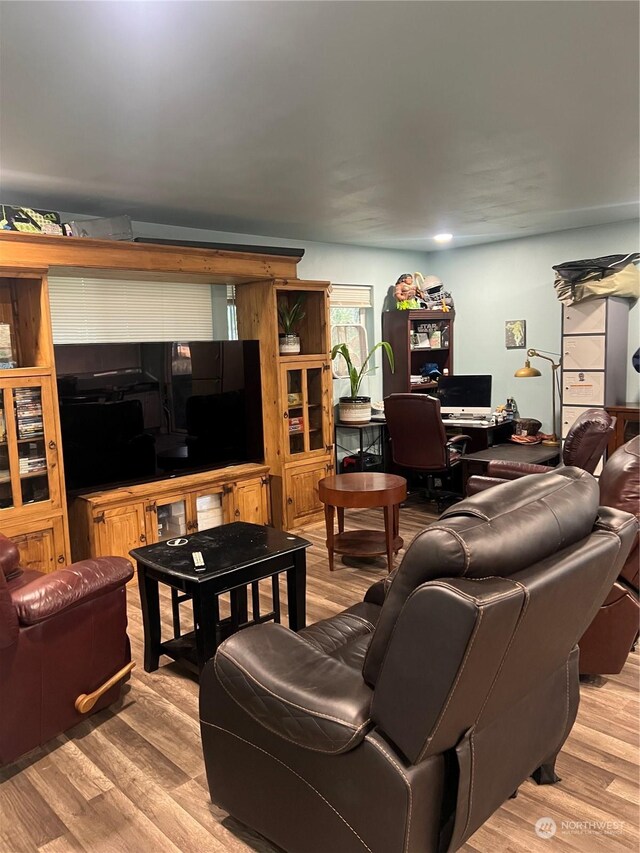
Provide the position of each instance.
(605, 645)
(62, 636)
(583, 448)
(402, 723)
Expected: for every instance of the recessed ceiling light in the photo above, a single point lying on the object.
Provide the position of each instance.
(443, 238)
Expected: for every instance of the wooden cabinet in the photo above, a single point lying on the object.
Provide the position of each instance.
(627, 427)
(296, 394)
(417, 337)
(115, 521)
(42, 544)
(306, 391)
(118, 529)
(301, 489)
(251, 500)
(32, 496)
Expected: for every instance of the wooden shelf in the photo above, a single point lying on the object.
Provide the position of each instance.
(320, 356)
(25, 372)
(38, 437)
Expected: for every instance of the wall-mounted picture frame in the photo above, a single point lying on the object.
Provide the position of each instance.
(515, 334)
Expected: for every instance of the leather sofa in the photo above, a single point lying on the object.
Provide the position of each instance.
(404, 722)
(62, 639)
(606, 643)
(583, 448)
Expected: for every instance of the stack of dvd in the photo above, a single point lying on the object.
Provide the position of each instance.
(28, 412)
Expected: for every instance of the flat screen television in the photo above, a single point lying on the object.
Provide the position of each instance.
(134, 412)
(468, 396)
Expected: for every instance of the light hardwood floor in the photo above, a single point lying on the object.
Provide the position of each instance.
(132, 779)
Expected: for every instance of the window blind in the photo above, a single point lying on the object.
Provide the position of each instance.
(99, 310)
(351, 296)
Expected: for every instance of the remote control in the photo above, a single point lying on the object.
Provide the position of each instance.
(198, 561)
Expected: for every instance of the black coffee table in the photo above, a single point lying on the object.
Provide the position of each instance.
(236, 555)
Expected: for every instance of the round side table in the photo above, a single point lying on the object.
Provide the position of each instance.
(362, 490)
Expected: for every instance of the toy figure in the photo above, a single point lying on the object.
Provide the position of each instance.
(406, 293)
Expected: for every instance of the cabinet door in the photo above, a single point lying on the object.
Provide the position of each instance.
(583, 352)
(41, 544)
(166, 518)
(209, 507)
(585, 318)
(119, 529)
(301, 491)
(251, 500)
(29, 462)
(306, 413)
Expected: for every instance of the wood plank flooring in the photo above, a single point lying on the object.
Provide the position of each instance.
(131, 778)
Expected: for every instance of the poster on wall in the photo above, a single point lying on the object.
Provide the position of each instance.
(515, 334)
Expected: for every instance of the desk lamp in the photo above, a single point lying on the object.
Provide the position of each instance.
(527, 372)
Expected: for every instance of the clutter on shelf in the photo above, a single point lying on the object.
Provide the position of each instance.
(415, 290)
(27, 220)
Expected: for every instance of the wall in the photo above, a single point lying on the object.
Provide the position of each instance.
(513, 280)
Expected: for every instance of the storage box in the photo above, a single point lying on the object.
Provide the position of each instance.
(29, 221)
(296, 424)
(109, 228)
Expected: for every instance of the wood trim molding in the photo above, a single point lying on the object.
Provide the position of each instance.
(39, 251)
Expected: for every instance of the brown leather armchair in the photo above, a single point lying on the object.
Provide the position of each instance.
(606, 643)
(583, 448)
(402, 723)
(419, 442)
(64, 648)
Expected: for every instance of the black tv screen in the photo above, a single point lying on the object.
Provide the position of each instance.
(134, 412)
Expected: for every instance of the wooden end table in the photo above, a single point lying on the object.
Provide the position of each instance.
(362, 491)
(236, 556)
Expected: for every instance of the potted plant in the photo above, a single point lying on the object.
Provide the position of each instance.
(356, 409)
(290, 317)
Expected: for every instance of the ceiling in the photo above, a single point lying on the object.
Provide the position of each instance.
(378, 124)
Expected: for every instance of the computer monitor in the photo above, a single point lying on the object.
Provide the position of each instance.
(468, 396)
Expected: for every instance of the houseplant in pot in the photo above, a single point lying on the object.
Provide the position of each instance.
(290, 317)
(356, 409)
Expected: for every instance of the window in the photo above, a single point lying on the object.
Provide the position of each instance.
(99, 310)
(232, 313)
(350, 315)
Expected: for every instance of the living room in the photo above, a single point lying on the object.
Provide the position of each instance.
(188, 643)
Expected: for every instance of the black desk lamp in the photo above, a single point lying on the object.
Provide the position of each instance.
(527, 372)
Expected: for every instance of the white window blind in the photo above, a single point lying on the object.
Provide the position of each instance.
(99, 310)
(350, 296)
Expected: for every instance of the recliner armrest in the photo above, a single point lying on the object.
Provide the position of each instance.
(478, 483)
(293, 689)
(515, 470)
(52, 593)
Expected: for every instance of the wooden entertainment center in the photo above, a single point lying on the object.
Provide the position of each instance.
(296, 403)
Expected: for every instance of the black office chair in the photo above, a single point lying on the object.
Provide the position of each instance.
(419, 443)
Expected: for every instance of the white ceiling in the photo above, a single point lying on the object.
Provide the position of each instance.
(372, 123)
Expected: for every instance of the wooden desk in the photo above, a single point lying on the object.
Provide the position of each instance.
(476, 463)
(482, 435)
(361, 491)
(627, 417)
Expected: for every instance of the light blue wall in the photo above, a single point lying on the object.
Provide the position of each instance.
(513, 280)
(509, 280)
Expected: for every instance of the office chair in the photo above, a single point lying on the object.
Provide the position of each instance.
(419, 442)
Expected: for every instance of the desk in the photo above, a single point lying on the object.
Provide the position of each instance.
(476, 463)
(236, 555)
(482, 435)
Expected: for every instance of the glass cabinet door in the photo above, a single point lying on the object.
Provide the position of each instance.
(28, 453)
(305, 415)
(170, 518)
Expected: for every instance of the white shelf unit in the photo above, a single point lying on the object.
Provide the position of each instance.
(594, 356)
